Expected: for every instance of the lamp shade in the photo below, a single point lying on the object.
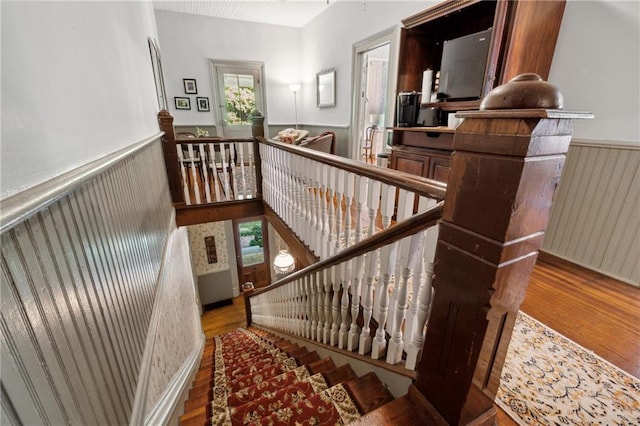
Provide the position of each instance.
(284, 263)
(295, 87)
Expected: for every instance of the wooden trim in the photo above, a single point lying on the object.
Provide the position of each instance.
(413, 183)
(193, 215)
(436, 12)
(394, 233)
(525, 113)
(19, 207)
(170, 398)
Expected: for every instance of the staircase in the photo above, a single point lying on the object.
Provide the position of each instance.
(250, 376)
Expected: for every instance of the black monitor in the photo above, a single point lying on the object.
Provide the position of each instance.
(464, 60)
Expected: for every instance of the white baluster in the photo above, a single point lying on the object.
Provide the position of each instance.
(346, 278)
(414, 349)
(361, 199)
(325, 211)
(215, 179)
(409, 324)
(349, 191)
(205, 173)
(405, 209)
(194, 173)
(183, 174)
(320, 290)
(371, 267)
(331, 241)
(396, 344)
(339, 215)
(387, 265)
(314, 307)
(356, 292)
(373, 201)
(309, 308)
(328, 285)
(335, 305)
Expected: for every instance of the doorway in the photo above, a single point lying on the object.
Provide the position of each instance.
(238, 91)
(375, 69)
(252, 251)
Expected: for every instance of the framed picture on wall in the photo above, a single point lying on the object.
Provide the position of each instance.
(190, 87)
(182, 103)
(203, 104)
(210, 246)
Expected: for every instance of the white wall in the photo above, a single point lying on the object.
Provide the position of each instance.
(188, 42)
(596, 66)
(328, 43)
(77, 84)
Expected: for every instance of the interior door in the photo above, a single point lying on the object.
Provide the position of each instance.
(238, 92)
(252, 251)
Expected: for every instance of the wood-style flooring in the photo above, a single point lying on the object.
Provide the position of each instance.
(597, 312)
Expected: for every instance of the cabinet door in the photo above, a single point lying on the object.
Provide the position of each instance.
(439, 169)
(414, 164)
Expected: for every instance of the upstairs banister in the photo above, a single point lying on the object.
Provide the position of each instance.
(418, 184)
(394, 233)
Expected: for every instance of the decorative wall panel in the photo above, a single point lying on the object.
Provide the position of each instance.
(78, 284)
(594, 218)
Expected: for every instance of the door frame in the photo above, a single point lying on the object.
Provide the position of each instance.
(216, 98)
(238, 249)
(392, 36)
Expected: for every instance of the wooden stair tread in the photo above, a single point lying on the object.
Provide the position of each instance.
(368, 392)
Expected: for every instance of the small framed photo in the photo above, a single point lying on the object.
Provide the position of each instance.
(182, 103)
(190, 87)
(203, 104)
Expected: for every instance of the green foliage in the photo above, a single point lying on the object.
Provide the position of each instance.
(240, 102)
(253, 229)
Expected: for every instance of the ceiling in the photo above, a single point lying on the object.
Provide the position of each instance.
(292, 13)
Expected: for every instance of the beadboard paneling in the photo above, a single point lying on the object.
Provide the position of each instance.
(78, 284)
(594, 219)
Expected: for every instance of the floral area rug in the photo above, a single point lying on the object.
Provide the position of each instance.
(550, 380)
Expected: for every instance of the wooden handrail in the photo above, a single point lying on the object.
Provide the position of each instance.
(420, 185)
(394, 233)
(214, 140)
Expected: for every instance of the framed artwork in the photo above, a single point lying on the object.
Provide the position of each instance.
(203, 104)
(210, 246)
(326, 88)
(190, 87)
(182, 103)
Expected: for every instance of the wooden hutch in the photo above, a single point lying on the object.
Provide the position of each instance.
(523, 40)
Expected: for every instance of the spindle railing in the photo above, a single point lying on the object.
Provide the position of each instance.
(322, 301)
(336, 206)
(214, 170)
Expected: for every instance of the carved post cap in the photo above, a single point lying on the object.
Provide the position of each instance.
(521, 92)
(257, 123)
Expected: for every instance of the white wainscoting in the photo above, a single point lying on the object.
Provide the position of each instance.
(80, 261)
(595, 218)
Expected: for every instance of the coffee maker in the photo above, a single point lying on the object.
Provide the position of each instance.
(407, 109)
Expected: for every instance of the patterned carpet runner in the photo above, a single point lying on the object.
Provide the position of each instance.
(258, 384)
(549, 380)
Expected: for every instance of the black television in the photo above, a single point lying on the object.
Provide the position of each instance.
(464, 60)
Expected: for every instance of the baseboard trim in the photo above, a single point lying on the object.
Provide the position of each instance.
(137, 412)
(170, 398)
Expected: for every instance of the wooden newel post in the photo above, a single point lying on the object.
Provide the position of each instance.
(257, 131)
(247, 291)
(505, 168)
(171, 161)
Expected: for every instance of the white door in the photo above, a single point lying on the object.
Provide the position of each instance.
(375, 70)
(238, 91)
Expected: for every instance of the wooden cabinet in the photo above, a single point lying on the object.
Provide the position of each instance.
(429, 163)
(523, 40)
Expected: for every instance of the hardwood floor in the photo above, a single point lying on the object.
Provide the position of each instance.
(597, 312)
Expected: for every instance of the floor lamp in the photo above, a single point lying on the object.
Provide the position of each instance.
(294, 88)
